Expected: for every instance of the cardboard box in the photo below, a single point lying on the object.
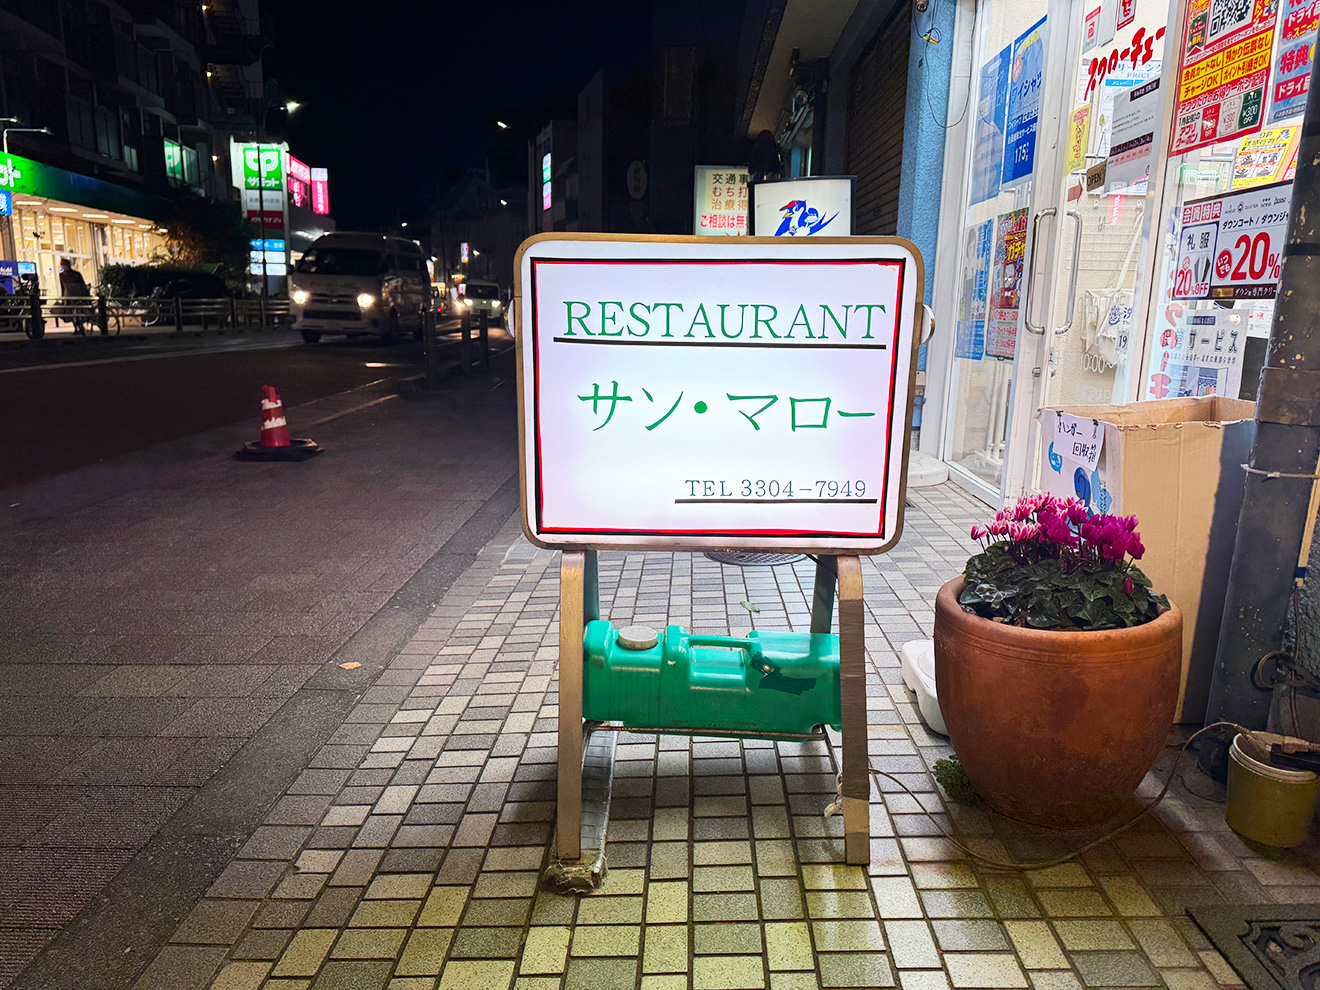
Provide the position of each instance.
(1176, 464)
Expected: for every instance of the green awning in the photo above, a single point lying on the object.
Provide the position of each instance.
(24, 177)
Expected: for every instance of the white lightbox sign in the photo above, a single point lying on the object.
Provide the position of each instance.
(816, 206)
(694, 392)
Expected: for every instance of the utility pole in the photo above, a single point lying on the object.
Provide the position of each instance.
(1284, 455)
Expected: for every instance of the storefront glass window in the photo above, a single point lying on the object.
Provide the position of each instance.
(1227, 194)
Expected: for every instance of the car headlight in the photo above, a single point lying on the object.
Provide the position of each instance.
(299, 297)
(466, 302)
(366, 300)
(495, 304)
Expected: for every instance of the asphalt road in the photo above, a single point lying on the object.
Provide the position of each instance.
(69, 408)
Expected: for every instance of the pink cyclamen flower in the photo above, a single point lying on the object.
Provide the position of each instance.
(1128, 586)
(979, 532)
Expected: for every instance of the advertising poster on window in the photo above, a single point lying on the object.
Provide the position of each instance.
(1025, 75)
(1231, 246)
(1270, 156)
(1078, 129)
(1132, 139)
(1223, 72)
(1006, 284)
(991, 113)
(1292, 64)
(719, 201)
(969, 342)
(1198, 354)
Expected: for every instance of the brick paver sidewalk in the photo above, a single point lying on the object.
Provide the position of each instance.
(408, 853)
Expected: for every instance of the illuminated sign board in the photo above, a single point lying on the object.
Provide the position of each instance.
(320, 191)
(694, 391)
(546, 184)
(32, 179)
(300, 181)
(263, 165)
(173, 160)
(808, 207)
(463, 252)
(719, 201)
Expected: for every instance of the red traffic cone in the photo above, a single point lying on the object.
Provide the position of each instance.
(274, 427)
(275, 443)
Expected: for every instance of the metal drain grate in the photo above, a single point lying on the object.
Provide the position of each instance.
(748, 558)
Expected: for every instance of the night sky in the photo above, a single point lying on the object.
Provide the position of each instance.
(399, 97)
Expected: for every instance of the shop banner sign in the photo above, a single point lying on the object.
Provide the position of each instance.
(320, 191)
(1006, 284)
(6, 204)
(33, 179)
(969, 339)
(991, 114)
(1223, 72)
(1077, 133)
(1231, 246)
(1270, 156)
(719, 201)
(1292, 64)
(1132, 138)
(1025, 76)
(693, 392)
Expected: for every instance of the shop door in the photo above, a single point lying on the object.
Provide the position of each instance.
(1055, 239)
(1011, 236)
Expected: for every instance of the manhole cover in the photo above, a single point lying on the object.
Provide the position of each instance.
(747, 558)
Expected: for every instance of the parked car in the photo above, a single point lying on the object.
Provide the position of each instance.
(478, 298)
(359, 284)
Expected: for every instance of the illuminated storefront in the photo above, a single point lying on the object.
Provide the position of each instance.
(56, 214)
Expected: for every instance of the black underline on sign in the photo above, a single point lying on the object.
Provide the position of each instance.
(721, 343)
(775, 501)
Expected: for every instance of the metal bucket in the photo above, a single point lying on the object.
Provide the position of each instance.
(1268, 804)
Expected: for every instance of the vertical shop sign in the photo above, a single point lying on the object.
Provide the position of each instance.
(1091, 32)
(719, 200)
(1231, 246)
(1292, 65)
(1006, 284)
(320, 191)
(1127, 12)
(1077, 133)
(1132, 138)
(1223, 72)
(991, 114)
(970, 337)
(1024, 81)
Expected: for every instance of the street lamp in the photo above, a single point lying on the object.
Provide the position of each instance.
(4, 138)
(501, 125)
(292, 106)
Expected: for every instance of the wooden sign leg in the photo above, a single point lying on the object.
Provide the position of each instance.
(852, 671)
(578, 602)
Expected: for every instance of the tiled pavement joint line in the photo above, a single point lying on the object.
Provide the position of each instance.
(117, 935)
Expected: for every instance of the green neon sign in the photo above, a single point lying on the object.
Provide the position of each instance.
(25, 177)
(263, 166)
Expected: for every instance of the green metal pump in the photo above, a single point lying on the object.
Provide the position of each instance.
(765, 685)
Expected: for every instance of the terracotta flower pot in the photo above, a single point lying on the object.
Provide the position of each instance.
(1055, 728)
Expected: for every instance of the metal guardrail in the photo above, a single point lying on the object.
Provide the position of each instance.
(107, 316)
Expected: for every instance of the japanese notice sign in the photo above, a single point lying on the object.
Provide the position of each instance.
(991, 114)
(1292, 64)
(1006, 283)
(1270, 156)
(1078, 439)
(719, 200)
(969, 341)
(1198, 353)
(694, 392)
(1224, 68)
(1231, 246)
(1025, 75)
(1132, 138)
(1078, 129)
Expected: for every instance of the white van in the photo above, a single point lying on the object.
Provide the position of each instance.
(360, 284)
(480, 297)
